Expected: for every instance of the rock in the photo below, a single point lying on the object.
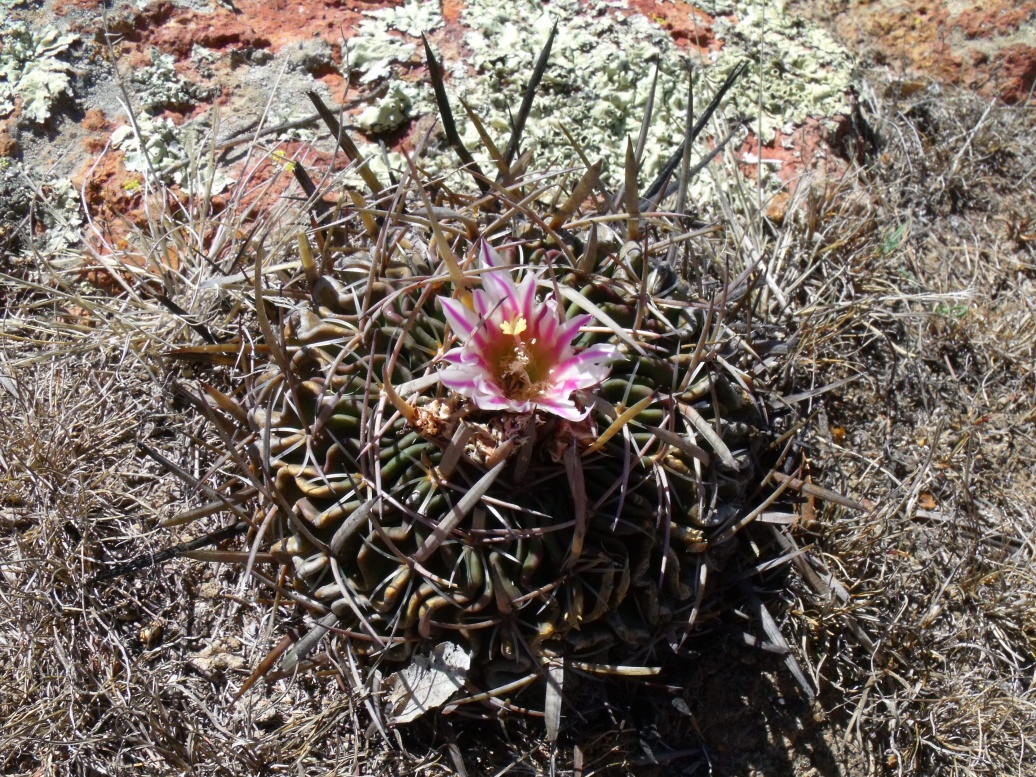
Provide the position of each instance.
(989, 47)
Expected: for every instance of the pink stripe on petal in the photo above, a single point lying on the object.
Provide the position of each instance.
(462, 321)
(457, 383)
(585, 361)
(488, 255)
(547, 331)
(527, 296)
(482, 303)
(570, 328)
(545, 314)
(599, 352)
(500, 287)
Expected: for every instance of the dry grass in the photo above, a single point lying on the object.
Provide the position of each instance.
(916, 620)
(937, 429)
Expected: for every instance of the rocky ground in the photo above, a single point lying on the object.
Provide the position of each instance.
(910, 123)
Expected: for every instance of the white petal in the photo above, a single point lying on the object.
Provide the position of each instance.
(462, 321)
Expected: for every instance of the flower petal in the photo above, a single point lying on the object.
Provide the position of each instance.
(517, 355)
(565, 408)
(462, 321)
(488, 255)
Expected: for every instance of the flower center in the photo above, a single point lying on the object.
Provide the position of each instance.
(517, 372)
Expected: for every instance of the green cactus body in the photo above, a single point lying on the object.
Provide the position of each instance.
(533, 452)
(534, 568)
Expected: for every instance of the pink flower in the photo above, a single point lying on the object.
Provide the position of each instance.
(516, 354)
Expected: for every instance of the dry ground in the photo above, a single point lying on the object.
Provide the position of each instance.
(916, 289)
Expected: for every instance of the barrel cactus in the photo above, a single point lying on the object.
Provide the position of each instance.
(521, 428)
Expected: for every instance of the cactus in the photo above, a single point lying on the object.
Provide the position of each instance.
(510, 425)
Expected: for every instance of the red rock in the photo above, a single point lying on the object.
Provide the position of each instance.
(985, 46)
(688, 25)
(1016, 66)
(8, 145)
(94, 121)
(991, 20)
(807, 149)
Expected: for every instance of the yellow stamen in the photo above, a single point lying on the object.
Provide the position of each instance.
(515, 327)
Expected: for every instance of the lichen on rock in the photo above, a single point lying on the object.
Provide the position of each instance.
(159, 86)
(32, 69)
(174, 154)
(601, 68)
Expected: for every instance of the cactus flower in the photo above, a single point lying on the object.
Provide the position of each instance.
(516, 353)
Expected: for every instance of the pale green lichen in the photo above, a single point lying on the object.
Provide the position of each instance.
(174, 154)
(414, 17)
(61, 216)
(600, 73)
(159, 86)
(798, 70)
(388, 111)
(47, 215)
(373, 52)
(32, 69)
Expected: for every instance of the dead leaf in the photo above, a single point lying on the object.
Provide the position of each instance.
(427, 683)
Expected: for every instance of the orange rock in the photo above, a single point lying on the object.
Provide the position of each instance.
(8, 145)
(94, 121)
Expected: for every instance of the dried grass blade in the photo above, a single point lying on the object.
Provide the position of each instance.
(309, 267)
(149, 560)
(631, 198)
(579, 194)
(228, 556)
(205, 510)
(793, 398)
(451, 456)
(685, 158)
(773, 632)
(804, 487)
(320, 209)
(574, 470)
(616, 670)
(264, 666)
(649, 108)
(588, 260)
(681, 444)
(442, 245)
(397, 401)
(309, 641)
(742, 522)
(705, 430)
(498, 691)
(502, 166)
(572, 295)
(670, 166)
(605, 195)
(552, 700)
(616, 426)
(226, 403)
(370, 224)
(193, 482)
(350, 525)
